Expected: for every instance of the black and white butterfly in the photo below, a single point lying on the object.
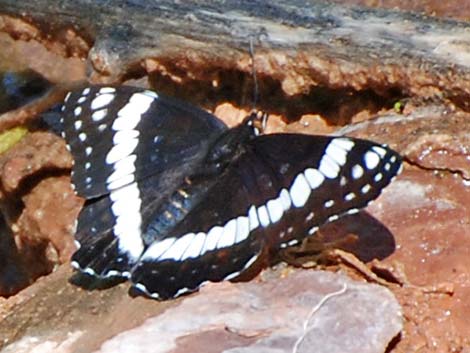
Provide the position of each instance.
(176, 199)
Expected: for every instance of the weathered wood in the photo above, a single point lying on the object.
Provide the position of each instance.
(298, 43)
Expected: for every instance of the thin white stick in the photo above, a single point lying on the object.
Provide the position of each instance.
(313, 311)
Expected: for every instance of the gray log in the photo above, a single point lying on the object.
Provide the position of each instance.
(299, 44)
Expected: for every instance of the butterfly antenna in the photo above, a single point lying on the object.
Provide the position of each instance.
(258, 119)
(253, 74)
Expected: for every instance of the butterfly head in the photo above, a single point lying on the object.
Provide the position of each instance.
(231, 143)
(257, 120)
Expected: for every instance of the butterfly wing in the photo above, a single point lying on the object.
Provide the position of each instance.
(118, 135)
(217, 240)
(130, 147)
(281, 188)
(110, 229)
(325, 177)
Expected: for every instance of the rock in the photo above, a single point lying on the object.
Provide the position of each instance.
(304, 311)
(39, 206)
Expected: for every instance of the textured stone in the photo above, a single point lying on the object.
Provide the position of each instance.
(304, 311)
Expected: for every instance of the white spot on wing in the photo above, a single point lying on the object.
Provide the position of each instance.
(75, 264)
(336, 151)
(344, 143)
(352, 211)
(357, 172)
(212, 238)
(284, 197)
(335, 156)
(123, 136)
(314, 178)
(177, 249)
(99, 115)
(371, 160)
(125, 180)
(89, 271)
(144, 289)
(263, 216)
(78, 124)
(195, 247)
(329, 203)
(151, 94)
(328, 167)
(350, 196)
(253, 218)
(275, 210)
(299, 191)
(228, 236)
(312, 230)
(333, 218)
(126, 120)
(125, 199)
(126, 208)
(250, 262)
(82, 136)
(121, 150)
(157, 248)
(101, 101)
(122, 168)
(231, 275)
(77, 111)
(88, 150)
(380, 151)
(365, 189)
(243, 229)
(129, 116)
(104, 90)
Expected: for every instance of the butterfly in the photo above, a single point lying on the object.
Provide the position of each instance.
(176, 199)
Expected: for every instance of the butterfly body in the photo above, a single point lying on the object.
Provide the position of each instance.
(176, 199)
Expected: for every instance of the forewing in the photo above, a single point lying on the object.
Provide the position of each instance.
(119, 135)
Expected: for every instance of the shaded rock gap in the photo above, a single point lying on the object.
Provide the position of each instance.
(336, 106)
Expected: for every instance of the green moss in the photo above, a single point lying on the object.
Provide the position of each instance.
(10, 137)
(398, 107)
